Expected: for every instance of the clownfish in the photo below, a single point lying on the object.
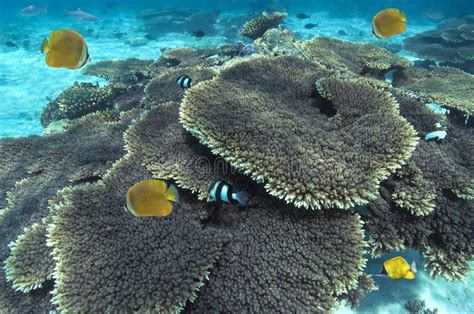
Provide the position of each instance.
(397, 268)
(388, 23)
(184, 81)
(65, 49)
(222, 192)
(151, 198)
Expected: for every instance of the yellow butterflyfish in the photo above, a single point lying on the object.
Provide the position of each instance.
(397, 268)
(65, 49)
(388, 23)
(151, 198)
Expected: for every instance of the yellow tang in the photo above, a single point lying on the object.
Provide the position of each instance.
(398, 268)
(388, 23)
(151, 198)
(65, 49)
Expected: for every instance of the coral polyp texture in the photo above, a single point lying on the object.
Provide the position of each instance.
(282, 260)
(33, 170)
(444, 85)
(256, 27)
(264, 116)
(168, 151)
(23, 268)
(108, 260)
(77, 101)
(359, 58)
(118, 71)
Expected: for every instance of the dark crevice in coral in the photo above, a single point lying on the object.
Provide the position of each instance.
(45, 289)
(325, 106)
(89, 179)
(449, 195)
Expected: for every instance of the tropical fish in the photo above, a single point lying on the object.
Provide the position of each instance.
(222, 192)
(32, 10)
(11, 44)
(65, 49)
(310, 25)
(151, 198)
(302, 16)
(397, 268)
(80, 15)
(184, 81)
(198, 34)
(388, 23)
(436, 135)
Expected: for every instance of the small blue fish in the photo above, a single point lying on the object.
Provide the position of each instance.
(222, 192)
(184, 81)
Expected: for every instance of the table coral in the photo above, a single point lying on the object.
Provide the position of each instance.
(256, 27)
(33, 170)
(265, 118)
(358, 58)
(118, 71)
(443, 85)
(108, 260)
(451, 43)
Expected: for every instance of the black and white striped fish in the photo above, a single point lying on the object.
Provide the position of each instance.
(184, 81)
(222, 192)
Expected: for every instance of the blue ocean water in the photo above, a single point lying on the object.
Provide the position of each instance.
(27, 83)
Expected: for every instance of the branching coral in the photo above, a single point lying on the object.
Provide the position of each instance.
(119, 71)
(358, 58)
(264, 118)
(77, 101)
(108, 260)
(256, 27)
(29, 265)
(163, 88)
(444, 85)
(282, 260)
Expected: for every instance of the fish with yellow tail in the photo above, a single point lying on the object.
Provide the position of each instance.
(388, 23)
(151, 198)
(397, 268)
(65, 49)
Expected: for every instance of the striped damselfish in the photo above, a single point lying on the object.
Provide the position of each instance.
(222, 192)
(184, 81)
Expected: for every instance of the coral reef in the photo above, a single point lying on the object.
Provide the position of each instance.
(444, 85)
(30, 264)
(315, 152)
(77, 101)
(277, 42)
(163, 88)
(358, 58)
(119, 71)
(256, 27)
(186, 57)
(418, 307)
(180, 158)
(452, 43)
(282, 260)
(108, 260)
(365, 285)
(33, 170)
(439, 175)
